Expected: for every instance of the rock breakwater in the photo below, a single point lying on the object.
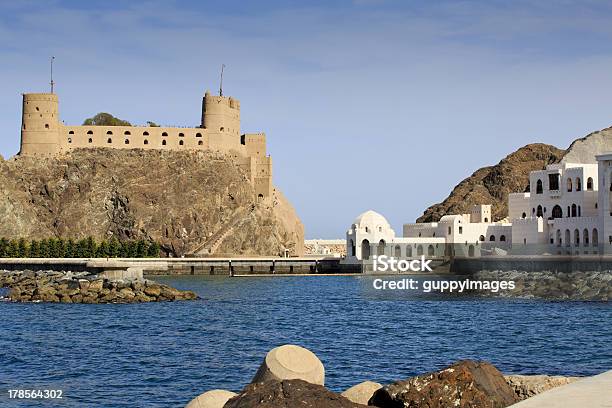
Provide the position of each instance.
(82, 287)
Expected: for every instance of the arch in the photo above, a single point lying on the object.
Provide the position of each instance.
(481, 238)
(398, 251)
(109, 140)
(163, 142)
(486, 219)
(576, 237)
(71, 132)
(430, 250)
(365, 249)
(590, 183)
(595, 237)
(109, 132)
(181, 134)
(471, 251)
(146, 142)
(408, 251)
(574, 210)
(419, 250)
(567, 238)
(90, 132)
(198, 134)
(145, 133)
(502, 238)
(557, 212)
(200, 143)
(539, 212)
(569, 184)
(585, 237)
(492, 238)
(181, 142)
(260, 197)
(380, 249)
(127, 133)
(127, 141)
(539, 187)
(558, 238)
(46, 125)
(578, 184)
(164, 134)
(524, 215)
(90, 140)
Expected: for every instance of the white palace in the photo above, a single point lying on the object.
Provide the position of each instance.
(567, 211)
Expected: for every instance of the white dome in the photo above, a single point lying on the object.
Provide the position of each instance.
(372, 219)
(451, 218)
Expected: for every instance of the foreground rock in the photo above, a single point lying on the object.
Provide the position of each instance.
(463, 384)
(593, 286)
(81, 287)
(290, 394)
(290, 362)
(362, 392)
(526, 386)
(211, 399)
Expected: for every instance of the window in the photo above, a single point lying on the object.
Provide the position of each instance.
(90, 140)
(553, 182)
(127, 141)
(109, 140)
(200, 135)
(449, 230)
(164, 134)
(163, 142)
(590, 183)
(578, 184)
(37, 109)
(46, 126)
(181, 142)
(181, 135)
(492, 238)
(461, 230)
(109, 133)
(90, 132)
(539, 187)
(127, 133)
(145, 133)
(71, 132)
(482, 238)
(221, 129)
(200, 143)
(557, 212)
(486, 219)
(146, 142)
(569, 184)
(69, 140)
(502, 238)
(524, 215)
(539, 212)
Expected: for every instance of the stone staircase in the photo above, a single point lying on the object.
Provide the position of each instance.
(214, 241)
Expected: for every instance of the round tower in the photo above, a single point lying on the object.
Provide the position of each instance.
(221, 114)
(40, 124)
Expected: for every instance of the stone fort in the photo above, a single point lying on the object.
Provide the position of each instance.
(43, 134)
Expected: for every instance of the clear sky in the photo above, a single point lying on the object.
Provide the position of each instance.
(367, 104)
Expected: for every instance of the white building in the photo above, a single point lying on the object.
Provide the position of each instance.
(567, 211)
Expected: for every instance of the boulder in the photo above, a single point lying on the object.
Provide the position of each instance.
(526, 386)
(289, 393)
(96, 285)
(464, 384)
(290, 362)
(152, 289)
(211, 399)
(362, 392)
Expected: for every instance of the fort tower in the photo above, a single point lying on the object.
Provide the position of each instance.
(40, 124)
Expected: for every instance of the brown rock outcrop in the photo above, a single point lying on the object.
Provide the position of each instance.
(491, 185)
(288, 393)
(180, 199)
(463, 384)
(526, 386)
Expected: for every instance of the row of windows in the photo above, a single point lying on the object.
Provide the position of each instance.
(145, 142)
(570, 184)
(572, 211)
(128, 133)
(576, 241)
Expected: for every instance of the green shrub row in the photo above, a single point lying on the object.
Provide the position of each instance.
(84, 248)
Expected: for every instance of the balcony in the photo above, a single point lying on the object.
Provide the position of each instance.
(554, 193)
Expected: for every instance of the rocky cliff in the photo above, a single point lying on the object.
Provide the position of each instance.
(188, 201)
(491, 185)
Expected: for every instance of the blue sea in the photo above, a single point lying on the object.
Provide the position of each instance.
(164, 354)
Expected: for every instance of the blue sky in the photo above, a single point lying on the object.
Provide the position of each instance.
(367, 104)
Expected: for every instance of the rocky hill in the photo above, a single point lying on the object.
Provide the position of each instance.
(187, 201)
(491, 185)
